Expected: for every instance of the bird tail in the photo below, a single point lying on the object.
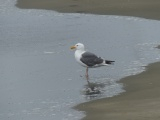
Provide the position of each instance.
(109, 62)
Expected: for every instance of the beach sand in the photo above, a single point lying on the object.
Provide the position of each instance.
(141, 101)
(139, 8)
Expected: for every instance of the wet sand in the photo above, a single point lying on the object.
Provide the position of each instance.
(141, 101)
(140, 8)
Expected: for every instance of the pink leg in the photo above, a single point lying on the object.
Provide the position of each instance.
(87, 76)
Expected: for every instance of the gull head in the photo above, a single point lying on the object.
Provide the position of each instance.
(78, 46)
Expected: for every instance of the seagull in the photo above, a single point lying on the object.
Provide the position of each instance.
(88, 59)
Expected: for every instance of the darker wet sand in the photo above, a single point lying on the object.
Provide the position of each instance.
(140, 8)
(141, 101)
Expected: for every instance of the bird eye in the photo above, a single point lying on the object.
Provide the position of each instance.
(76, 45)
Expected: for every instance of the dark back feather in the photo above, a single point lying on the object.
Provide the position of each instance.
(90, 59)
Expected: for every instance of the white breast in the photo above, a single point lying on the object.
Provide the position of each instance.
(78, 54)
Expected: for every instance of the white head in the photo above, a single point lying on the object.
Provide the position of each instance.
(78, 46)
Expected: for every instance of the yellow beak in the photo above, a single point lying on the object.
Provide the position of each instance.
(73, 47)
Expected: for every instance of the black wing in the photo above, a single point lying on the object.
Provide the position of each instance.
(90, 59)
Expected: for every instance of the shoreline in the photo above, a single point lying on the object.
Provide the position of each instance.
(138, 8)
(141, 100)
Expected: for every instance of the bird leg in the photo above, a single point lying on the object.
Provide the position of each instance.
(87, 76)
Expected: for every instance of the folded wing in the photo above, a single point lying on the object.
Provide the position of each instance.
(91, 59)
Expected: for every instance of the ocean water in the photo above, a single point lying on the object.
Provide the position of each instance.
(39, 78)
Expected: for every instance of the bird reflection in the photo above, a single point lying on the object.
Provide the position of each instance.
(93, 89)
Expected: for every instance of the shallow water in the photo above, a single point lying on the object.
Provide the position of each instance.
(39, 76)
